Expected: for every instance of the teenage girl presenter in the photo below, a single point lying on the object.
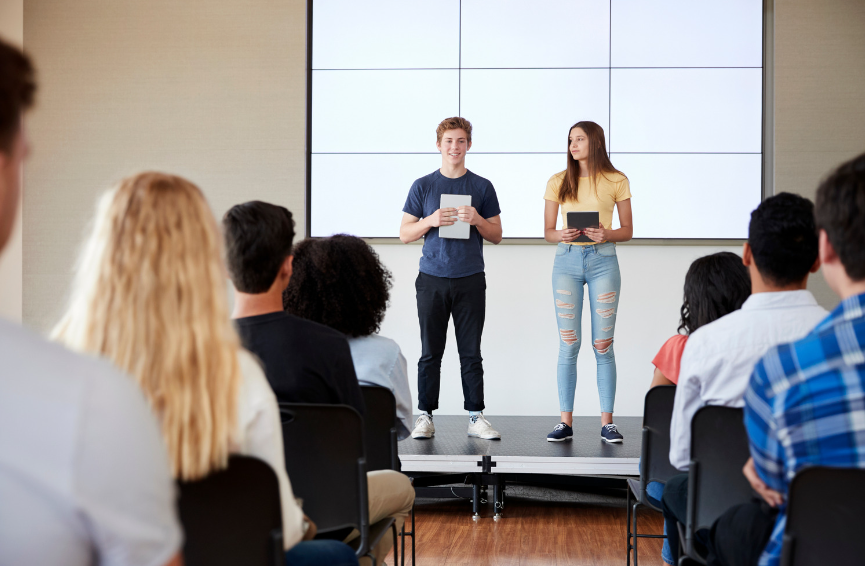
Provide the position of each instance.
(590, 183)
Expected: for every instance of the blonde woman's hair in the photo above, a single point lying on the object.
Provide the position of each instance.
(150, 294)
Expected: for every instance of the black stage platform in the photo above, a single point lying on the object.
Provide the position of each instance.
(524, 449)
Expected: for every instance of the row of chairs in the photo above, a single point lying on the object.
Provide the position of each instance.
(234, 516)
(823, 517)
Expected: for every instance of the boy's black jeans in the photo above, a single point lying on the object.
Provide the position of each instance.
(437, 299)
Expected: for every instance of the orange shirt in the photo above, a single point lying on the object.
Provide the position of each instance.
(669, 357)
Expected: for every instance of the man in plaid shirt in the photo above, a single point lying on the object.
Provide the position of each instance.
(805, 404)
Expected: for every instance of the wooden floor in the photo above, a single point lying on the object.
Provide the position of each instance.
(532, 533)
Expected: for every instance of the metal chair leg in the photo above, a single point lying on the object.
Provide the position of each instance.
(402, 543)
(636, 535)
(628, 526)
(395, 549)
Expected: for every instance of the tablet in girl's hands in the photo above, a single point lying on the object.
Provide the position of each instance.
(583, 220)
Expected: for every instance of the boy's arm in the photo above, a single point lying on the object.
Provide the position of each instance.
(490, 228)
(413, 228)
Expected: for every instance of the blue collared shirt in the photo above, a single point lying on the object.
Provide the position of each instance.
(805, 406)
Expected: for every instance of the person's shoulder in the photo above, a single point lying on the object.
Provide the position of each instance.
(479, 181)
(317, 331)
(614, 177)
(677, 341)
(426, 180)
(28, 356)
(385, 346)
(557, 178)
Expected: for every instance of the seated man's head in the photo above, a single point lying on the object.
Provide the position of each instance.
(258, 241)
(840, 213)
(340, 282)
(17, 89)
(782, 243)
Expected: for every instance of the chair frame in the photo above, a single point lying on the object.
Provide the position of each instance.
(275, 549)
(641, 497)
(370, 535)
(687, 532)
(395, 465)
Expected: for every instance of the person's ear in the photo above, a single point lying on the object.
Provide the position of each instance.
(747, 258)
(469, 146)
(439, 145)
(816, 267)
(826, 253)
(287, 267)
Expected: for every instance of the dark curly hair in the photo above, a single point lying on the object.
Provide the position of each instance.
(715, 285)
(339, 282)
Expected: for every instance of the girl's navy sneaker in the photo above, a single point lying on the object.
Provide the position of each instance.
(561, 432)
(610, 433)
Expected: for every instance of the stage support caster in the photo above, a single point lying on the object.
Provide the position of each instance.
(476, 517)
(498, 517)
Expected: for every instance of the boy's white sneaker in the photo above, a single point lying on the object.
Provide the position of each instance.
(423, 427)
(481, 428)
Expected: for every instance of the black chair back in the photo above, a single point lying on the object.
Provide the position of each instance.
(324, 457)
(655, 451)
(233, 516)
(824, 518)
(380, 433)
(719, 450)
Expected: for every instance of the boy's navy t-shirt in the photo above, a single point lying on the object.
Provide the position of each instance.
(449, 257)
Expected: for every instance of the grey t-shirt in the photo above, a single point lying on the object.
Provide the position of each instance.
(84, 474)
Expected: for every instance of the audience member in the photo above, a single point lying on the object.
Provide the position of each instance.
(719, 357)
(149, 295)
(340, 282)
(305, 362)
(804, 401)
(715, 285)
(84, 477)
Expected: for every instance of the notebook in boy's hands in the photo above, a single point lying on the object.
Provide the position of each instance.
(582, 220)
(459, 229)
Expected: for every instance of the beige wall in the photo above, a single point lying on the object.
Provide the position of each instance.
(214, 91)
(819, 95)
(11, 262)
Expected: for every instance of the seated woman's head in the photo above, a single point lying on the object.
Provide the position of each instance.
(150, 295)
(339, 282)
(715, 285)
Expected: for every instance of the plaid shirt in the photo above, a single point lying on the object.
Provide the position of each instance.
(805, 406)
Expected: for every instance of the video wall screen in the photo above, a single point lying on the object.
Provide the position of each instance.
(677, 86)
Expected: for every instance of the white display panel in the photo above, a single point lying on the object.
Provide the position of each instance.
(385, 34)
(520, 182)
(685, 33)
(540, 106)
(380, 111)
(364, 194)
(692, 196)
(490, 27)
(686, 110)
(676, 85)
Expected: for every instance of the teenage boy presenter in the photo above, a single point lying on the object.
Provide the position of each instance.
(451, 281)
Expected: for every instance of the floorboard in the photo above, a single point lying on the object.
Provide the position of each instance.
(533, 532)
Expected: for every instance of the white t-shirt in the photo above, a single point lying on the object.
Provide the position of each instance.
(260, 436)
(379, 361)
(719, 358)
(84, 474)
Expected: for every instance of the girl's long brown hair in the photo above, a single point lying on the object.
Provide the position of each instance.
(150, 295)
(599, 161)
